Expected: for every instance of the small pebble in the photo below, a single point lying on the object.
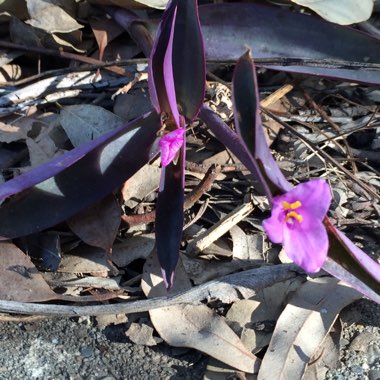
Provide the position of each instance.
(86, 351)
(374, 374)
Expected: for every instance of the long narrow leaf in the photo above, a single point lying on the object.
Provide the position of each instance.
(169, 217)
(188, 59)
(249, 126)
(92, 176)
(273, 32)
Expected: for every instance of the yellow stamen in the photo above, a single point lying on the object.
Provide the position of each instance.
(293, 215)
(291, 206)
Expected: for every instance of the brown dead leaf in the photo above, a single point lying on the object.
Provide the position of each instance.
(20, 279)
(105, 30)
(142, 183)
(302, 327)
(99, 224)
(194, 326)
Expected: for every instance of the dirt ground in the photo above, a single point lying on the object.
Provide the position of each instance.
(78, 348)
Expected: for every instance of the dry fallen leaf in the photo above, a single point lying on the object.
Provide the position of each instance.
(142, 183)
(20, 279)
(195, 326)
(86, 122)
(343, 13)
(99, 224)
(131, 4)
(48, 16)
(302, 327)
(256, 317)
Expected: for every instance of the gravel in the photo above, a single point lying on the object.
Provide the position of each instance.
(76, 349)
(72, 349)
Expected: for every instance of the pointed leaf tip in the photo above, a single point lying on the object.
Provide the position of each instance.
(168, 278)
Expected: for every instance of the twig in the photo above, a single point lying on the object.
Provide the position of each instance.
(62, 54)
(323, 154)
(219, 229)
(335, 126)
(227, 289)
(190, 199)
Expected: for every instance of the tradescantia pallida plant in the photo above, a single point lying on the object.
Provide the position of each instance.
(177, 86)
(299, 215)
(177, 83)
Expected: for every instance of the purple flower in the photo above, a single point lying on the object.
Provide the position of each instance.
(297, 223)
(170, 144)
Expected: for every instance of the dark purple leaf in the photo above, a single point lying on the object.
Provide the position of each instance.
(157, 84)
(188, 59)
(273, 32)
(169, 217)
(177, 69)
(234, 143)
(350, 257)
(111, 161)
(347, 276)
(249, 126)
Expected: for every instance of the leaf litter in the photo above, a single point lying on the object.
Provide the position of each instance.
(231, 236)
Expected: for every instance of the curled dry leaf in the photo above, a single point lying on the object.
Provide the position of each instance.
(194, 326)
(302, 327)
(352, 12)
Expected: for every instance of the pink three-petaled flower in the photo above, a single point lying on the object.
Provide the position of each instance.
(297, 222)
(170, 144)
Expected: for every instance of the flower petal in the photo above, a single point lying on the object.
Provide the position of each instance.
(315, 197)
(275, 224)
(307, 248)
(170, 144)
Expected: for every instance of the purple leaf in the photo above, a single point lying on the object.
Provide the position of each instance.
(169, 217)
(156, 80)
(188, 59)
(273, 32)
(249, 126)
(177, 67)
(98, 170)
(234, 143)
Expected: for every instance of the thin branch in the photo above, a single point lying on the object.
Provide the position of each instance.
(227, 289)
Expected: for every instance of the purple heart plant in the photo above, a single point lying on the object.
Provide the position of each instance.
(177, 87)
(299, 215)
